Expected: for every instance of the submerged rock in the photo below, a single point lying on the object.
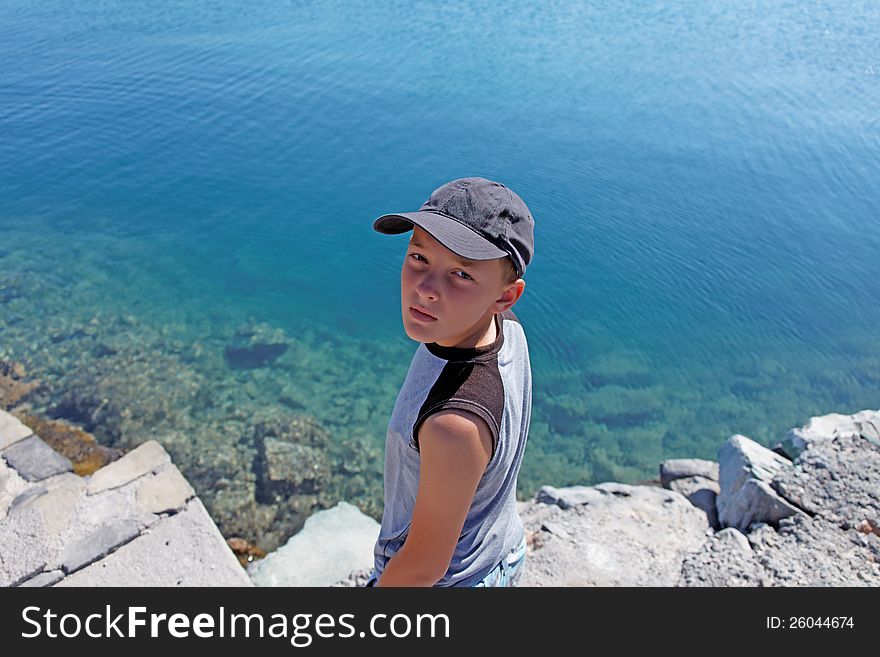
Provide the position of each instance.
(13, 387)
(256, 355)
(9, 290)
(284, 468)
(291, 455)
(86, 454)
(246, 551)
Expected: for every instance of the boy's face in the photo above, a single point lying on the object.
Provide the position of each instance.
(460, 296)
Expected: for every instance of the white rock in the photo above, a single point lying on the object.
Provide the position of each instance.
(331, 545)
(827, 427)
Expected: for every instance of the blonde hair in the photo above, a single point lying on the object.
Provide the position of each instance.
(508, 270)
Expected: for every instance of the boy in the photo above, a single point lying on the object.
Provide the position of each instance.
(460, 423)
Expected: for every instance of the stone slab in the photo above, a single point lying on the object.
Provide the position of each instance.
(165, 491)
(26, 496)
(57, 504)
(44, 579)
(11, 430)
(11, 486)
(185, 549)
(98, 544)
(23, 549)
(34, 460)
(143, 459)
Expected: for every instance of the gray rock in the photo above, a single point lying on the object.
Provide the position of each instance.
(615, 488)
(626, 536)
(356, 579)
(556, 529)
(11, 430)
(746, 470)
(726, 559)
(761, 535)
(185, 549)
(35, 460)
(98, 544)
(700, 492)
(870, 429)
(143, 459)
(836, 475)
(835, 478)
(688, 485)
(672, 469)
(569, 497)
(735, 538)
(813, 552)
(44, 579)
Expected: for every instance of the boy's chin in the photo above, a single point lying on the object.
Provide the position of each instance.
(418, 332)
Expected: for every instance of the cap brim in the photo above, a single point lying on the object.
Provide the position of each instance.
(455, 236)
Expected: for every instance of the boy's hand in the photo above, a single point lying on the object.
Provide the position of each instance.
(455, 448)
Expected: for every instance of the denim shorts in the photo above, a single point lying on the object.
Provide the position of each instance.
(506, 573)
(509, 569)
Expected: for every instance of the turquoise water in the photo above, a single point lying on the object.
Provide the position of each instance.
(703, 178)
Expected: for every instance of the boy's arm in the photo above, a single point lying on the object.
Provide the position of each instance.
(455, 448)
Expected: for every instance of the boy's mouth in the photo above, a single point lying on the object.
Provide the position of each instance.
(415, 313)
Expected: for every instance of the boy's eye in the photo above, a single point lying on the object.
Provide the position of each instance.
(466, 277)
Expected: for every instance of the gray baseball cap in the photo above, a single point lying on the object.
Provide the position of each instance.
(473, 217)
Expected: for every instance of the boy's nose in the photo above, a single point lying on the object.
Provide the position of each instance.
(425, 287)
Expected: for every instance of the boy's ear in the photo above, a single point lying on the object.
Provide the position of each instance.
(513, 292)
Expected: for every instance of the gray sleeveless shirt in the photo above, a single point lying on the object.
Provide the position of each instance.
(495, 382)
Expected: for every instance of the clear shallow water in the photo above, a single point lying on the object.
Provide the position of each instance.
(703, 181)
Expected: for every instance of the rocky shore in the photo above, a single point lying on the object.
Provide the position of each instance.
(805, 513)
